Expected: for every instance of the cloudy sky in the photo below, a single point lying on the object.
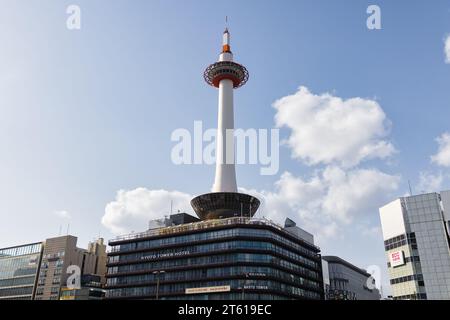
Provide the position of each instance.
(86, 115)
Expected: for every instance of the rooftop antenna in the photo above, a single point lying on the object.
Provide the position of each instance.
(226, 23)
(410, 189)
(68, 226)
(171, 206)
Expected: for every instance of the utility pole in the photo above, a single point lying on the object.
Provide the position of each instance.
(157, 273)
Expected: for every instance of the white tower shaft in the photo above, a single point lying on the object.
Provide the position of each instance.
(225, 179)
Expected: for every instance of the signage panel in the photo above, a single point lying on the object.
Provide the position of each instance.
(397, 258)
(207, 289)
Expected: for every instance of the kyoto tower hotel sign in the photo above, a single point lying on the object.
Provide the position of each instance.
(225, 201)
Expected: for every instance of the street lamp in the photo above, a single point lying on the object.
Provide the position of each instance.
(243, 286)
(157, 273)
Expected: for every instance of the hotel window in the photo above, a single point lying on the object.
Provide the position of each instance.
(54, 290)
(113, 270)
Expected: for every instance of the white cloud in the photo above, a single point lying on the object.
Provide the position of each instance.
(62, 214)
(349, 192)
(429, 182)
(447, 49)
(329, 200)
(323, 204)
(131, 210)
(371, 231)
(327, 129)
(442, 157)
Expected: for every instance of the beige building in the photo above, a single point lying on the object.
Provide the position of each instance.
(59, 254)
(98, 248)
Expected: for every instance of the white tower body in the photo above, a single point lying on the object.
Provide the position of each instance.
(225, 179)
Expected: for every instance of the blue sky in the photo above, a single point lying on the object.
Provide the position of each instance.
(89, 112)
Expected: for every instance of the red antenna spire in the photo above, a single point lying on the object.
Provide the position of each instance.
(226, 41)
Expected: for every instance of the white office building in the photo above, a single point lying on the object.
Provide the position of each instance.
(416, 241)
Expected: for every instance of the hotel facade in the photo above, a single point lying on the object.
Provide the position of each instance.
(238, 258)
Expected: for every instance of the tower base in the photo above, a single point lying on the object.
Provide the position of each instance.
(219, 205)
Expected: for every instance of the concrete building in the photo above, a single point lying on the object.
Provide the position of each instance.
(98, 249)
(60, 253)
(19, 270)
(416, 240)
(344, 281)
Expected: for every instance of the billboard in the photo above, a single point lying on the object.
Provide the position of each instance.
(397, 258)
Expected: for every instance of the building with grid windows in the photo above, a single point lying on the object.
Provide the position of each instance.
(230, 258)
(39, 271)
(345, 281)
(19, 268)
(416, 240)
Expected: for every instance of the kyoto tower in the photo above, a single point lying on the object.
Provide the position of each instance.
(225, 201)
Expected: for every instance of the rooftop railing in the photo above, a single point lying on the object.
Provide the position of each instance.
(199, 226)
